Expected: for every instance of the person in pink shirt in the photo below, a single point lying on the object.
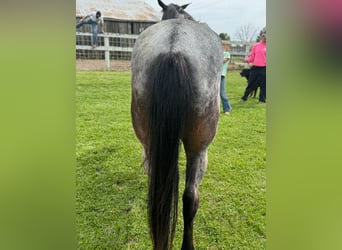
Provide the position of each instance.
(257, 75)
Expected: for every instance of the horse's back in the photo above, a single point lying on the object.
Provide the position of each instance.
(179, 35)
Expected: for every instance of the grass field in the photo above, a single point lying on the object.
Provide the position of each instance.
(111, 186)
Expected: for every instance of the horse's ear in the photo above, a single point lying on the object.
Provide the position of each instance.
(185, 5)
(161, 4)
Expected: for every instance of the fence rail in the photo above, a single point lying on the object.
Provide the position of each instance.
(118, 47)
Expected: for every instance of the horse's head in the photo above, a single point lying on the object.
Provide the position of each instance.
(172, 11)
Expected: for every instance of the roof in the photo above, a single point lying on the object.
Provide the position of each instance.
(136, 10)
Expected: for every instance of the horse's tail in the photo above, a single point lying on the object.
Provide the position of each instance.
(168, 107)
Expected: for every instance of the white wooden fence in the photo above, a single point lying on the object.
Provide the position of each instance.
(118, 47)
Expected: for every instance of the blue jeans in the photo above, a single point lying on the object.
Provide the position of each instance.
(224, 99)
(93, 28)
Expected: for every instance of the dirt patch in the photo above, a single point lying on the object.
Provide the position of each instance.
(90, 65)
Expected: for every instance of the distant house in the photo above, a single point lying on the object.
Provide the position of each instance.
(123, 20)
(120, 16)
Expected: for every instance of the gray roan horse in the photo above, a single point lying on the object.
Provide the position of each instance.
(176, 69)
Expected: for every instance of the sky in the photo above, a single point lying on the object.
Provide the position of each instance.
(223, 16)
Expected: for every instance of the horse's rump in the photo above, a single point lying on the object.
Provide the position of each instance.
(194, 41)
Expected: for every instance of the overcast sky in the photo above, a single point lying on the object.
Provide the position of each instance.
(223, 16)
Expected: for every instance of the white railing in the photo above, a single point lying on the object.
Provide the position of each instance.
(106, 47)
(111, 43)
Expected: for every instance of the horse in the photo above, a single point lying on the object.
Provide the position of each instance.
(176, 71)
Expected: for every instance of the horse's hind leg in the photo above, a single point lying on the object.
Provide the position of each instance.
(195, 168)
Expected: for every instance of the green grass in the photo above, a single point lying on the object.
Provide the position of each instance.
(111, 185)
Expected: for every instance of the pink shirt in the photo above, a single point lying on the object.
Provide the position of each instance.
(258, 55)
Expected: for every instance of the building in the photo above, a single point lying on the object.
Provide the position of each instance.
(120, 16)
(123, 21)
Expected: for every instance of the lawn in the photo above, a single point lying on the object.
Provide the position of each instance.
(111, 186)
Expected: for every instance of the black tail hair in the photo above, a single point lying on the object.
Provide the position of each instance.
(168, 107)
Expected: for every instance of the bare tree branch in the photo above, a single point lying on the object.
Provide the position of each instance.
(246, 33)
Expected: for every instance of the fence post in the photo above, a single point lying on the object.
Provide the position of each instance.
(247, 48)
(107, 55)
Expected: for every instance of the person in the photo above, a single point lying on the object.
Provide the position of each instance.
(257, 75)
(94, 18)
(224, 98)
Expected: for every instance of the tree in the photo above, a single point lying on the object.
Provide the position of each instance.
(246, 33)
(224, 36)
